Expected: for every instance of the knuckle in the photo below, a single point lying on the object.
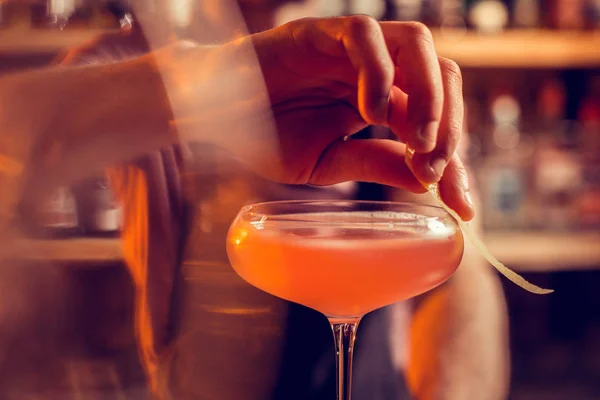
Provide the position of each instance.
(420, 31)
(451, 71)
(298, 27)
(448, 146)
(301, 22)
(455, 128)
(361, 25)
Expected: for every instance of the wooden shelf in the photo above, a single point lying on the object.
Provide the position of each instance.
(83, 251)
(521, 49)
(523, 251)
(543, 252)
(40, 41)
(510, 49)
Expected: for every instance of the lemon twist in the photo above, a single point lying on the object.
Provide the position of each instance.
(481, 247)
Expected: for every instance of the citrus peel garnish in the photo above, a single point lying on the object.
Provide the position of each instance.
(481, 247)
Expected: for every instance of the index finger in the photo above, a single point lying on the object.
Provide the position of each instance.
(359, 39)
(418, 74)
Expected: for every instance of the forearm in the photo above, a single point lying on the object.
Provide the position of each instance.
(82, 118)
(458, 338)
(58, 125)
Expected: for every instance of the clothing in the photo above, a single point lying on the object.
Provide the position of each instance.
(203, 332)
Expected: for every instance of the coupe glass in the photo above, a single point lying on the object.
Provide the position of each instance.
(344, 258)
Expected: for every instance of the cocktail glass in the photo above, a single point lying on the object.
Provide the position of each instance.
(344, 259)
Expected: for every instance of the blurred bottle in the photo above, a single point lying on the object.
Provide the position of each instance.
(402, 10)
(489, 16)
(504, 173)
(55, 216)
(431, 13)
(99, 213)
(444, 13)
(592, 14)
(53, 14)
(471, 143)
(4, 15)
(589, 115)
(59, 12)
(565, 14)
(526, 14)
(557, 171)
(453, 14)
(589, 119)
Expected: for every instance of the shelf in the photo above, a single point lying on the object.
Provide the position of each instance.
(510, 49)
(40, 41)
(523, 251)
(544, 252)
(82, 251)
(521, 49)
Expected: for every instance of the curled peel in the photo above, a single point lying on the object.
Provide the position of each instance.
(481, 247)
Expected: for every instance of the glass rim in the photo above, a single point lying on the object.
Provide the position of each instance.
(334, 202)
(310, 211)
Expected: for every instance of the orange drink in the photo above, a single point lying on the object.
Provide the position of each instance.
(345, 264)
(344, 258)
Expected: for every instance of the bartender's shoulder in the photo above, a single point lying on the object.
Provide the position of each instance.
(110, 47)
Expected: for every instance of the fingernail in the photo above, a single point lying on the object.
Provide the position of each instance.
(469, 199)
(437, 166)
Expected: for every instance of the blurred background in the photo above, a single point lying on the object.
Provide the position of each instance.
(532, 86)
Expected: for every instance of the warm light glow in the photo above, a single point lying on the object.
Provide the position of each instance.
(10, 166)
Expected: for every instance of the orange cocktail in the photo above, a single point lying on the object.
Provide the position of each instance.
(344, 259)
(344, 270)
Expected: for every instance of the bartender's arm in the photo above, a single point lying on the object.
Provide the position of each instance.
(67, 123)
(458, 341)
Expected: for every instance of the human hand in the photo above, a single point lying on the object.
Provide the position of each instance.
(329, 78)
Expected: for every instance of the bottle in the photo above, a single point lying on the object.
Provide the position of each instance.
(565, 14)
(489, 16)
(589, 151)
(503, 175)
(526, 14)
(53, 14)
(403, 10)
(431, 13)
(59, 12)
(4, 15)
(557, 168)
(99, 213)
(56, 216)
(592, 14)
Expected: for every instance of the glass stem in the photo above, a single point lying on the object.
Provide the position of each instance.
(344, 334)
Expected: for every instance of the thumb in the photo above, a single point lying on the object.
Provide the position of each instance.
(365, 160)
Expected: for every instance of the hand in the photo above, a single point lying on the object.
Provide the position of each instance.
(329, 78)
